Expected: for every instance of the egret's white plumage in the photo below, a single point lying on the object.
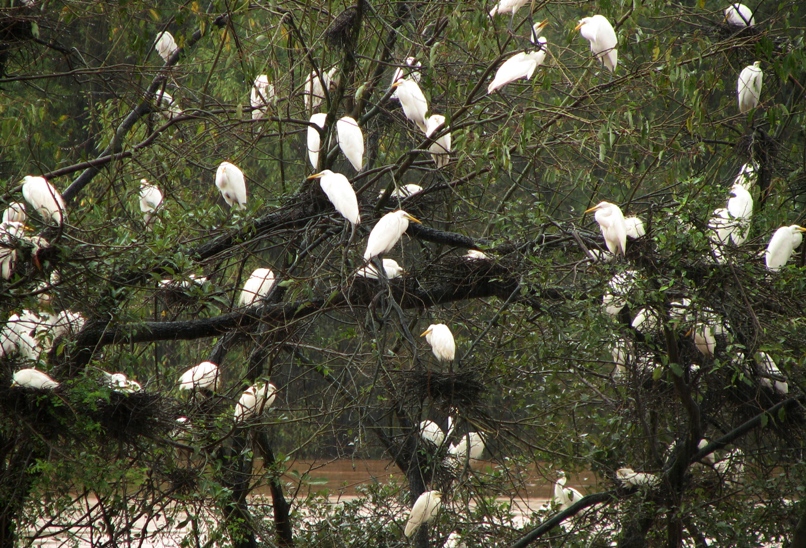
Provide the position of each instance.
(261, 96)
(635, 227)
(459, 453)
(351, 141)
(440, 338)
(313, 92)
(520, 65)
(257, 286)
(386, 233)
(785, 240)
(454, 540)
(440, 149)
(150, 200)
(231, 183)
(602, 37)
(430, 431)
(424, 510)
(619, 286)
(646, 321)
(15, 213)
(19, 335)
(165, 45)
(475, 255)
(118, 382)
(413, 72)
(404, 191)
(168, 104)
(44, 198)
(565, 496)
(255, 400)
(739, 15)
(631, 478)
(704, 339)
(769, 374)
(507, 6)
(10, 234)
(314, 139)
(749, 87)
(340, 193)
(614, 229)
(414, 103)
(709, 458)
(204, 376)
(32, 378)
(740, 209)
(390, 267)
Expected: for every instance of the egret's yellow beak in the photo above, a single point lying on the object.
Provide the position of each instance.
(690, 332)
(801, 229)
(315, 176)
(543, 24)
(397, 83)
(594, 208)
(426, 332)
(413, 219)
(579, 26)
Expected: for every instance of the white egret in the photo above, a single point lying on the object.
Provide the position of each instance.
(404, 191)
(614, 229)
(454, 540)
(749, 87)
(313, 92)
(424, 510)
(257, 286)
(255, 400)
(118, 382)
(704, 339)
(351, 141)
(565, 496)
(165, 45)
(739, 15)
(599, 32)
(168, 104)
(459, 453)
(340, 193)
(709, 458)
(19, 334)
(722, 227)
(475, 255)
(261, 96)
(414, 104)
(44, 198)
(740, 208)
(600, 256)
(150, 200)
(769, 374)
(441, 148)
(785, 240)
(523, 64)
(10, 233)
(314, 139)
(619, 286)
(390, 267)
(635, 227)
(622, 354)
(507, 6)
(230, 182)
(646, 321)
(732, 462)
(32, 378)
(386, 233)
(746, 177)
(440, 338)
(201, 377)
(431, 432)
(631, 478)
(15, 213)
(413, 73)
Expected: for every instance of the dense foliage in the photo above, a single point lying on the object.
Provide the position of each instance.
(83, 102)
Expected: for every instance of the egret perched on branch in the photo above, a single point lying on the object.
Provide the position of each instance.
(10, 234)
(386, 233)
(631, 478)
(257, 286)
(261, 97)
(340, 193)
(404, 191)
(749, 87)
(440, 149)
(704, 339)
(619, 286)
(470, 449)
(785, 240)
(351, 141)
(614, 229)
(565, 496)
(150, 200)
(314, 139)
(118, 382)
(440, 338)
(165, 45)
(739, 15)
(44, 198)
(740, 208)
(390, 267)
(769, 374)
(255, 399)
(230, 181)
(168, 104)
(507, 6)
(746, 177)
(313, 93)
(424, 510)
(201, 377)
(635, 227)
(523, 64)
(32, 378)
(599, 32)
(15, 213)
(413, 73)
(431, 432)
(414, 104)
